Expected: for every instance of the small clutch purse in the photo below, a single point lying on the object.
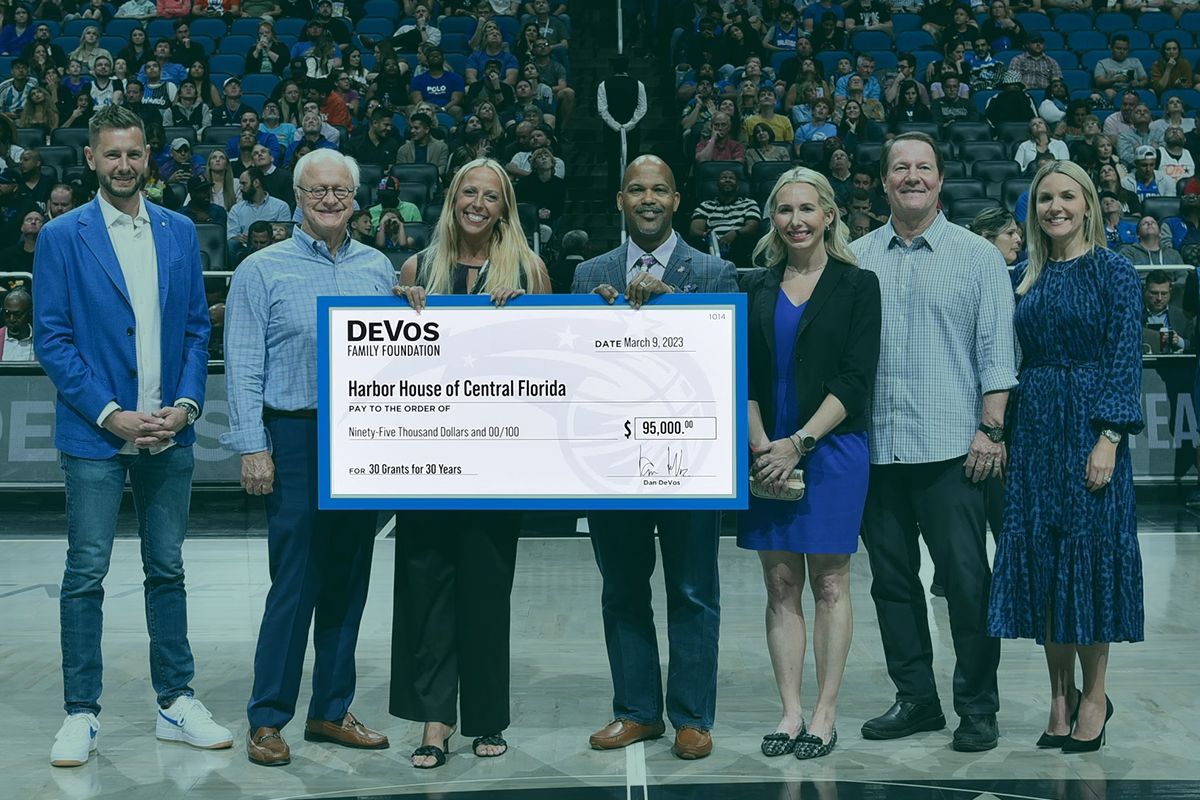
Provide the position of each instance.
(793, 490)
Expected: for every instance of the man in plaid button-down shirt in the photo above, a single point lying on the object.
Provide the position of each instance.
(946, 366)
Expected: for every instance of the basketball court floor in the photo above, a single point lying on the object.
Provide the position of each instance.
(561, 688)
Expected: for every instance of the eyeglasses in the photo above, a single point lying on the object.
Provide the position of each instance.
(319, 192)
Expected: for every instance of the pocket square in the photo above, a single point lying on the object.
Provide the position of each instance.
(689, 288)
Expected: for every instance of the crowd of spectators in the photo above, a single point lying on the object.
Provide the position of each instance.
(234, 92)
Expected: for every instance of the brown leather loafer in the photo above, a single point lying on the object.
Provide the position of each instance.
(624, 732)
(267, 748)
(692, 743)
(348, 733)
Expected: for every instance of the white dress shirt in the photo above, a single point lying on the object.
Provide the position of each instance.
(662, 257)
(17, 349)
(133, 241)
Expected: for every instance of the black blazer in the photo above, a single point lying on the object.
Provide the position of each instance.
(837, 342)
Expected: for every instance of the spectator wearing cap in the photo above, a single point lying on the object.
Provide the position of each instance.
(200, 207)
(1035, 68)
(1012, 104)
(1137, 136)
(1117, 231)
(389, 200)
(336, 26)
(181, 165)
(1147, 180)
(1120, 71)
(1173, 157)
(308, 39)
(1184, 229)
(248, 121)
(377, 143)
(493, 48)
(438, 85)
(230, 110)
(421, 147)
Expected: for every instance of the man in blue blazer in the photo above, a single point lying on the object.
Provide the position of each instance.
(656, 261)
(122, 331)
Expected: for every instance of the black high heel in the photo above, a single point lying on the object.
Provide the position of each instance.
(1073, 745)
(1048, 740)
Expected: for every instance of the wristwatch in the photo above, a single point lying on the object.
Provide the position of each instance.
(804, 441)
(993, 432)
(192, 413)
(1111, 435)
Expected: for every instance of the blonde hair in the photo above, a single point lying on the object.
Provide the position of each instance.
(509, 255)
(1037, 243)
(837, 236)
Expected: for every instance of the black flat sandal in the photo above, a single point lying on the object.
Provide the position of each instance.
(780, 744)
(492, 740)
(438, 754)
(809, 746)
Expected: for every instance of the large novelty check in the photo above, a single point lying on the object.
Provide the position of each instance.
(554, 401)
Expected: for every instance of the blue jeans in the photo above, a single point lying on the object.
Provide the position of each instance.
(162, 490)
(623, 542)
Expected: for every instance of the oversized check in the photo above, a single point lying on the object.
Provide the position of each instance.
(554, 401)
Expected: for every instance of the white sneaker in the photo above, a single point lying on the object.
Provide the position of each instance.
(188, 721)
(75, 741)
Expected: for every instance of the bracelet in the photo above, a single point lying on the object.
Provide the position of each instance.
(796, 445)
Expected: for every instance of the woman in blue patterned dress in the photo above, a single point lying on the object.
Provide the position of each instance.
(1068, 572)
(814, 321)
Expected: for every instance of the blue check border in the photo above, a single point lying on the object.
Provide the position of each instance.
(739, 501)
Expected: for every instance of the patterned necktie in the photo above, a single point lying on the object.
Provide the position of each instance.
(646, 262)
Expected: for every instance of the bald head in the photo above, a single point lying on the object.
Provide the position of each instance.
(648, 199)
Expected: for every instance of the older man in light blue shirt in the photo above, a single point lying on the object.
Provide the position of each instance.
(320, 561)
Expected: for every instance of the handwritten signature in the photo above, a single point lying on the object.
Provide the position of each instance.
(675, 464)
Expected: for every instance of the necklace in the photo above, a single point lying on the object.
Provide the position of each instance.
(796, 271)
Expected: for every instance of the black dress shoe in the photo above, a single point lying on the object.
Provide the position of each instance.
(905, 719)
(976, 733)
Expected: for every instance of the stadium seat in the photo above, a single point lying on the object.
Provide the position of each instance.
(1188, 22)
(212, 241)
(980, 98)
(1147, 54)
(1190, 98)
(255, 100)
(1054, 40)
(993, 173)
(160, 29)
(365, 196)
(911, 41)
(227, 63)
(902, 23)
(186, 131)
(769, 171)
(868, 152)
(1011, 191)
(75, 27)
(289, 26)
(237, 46)
(78, 173)
(455, 43)
(810, 154)
(400, 126)
(1005, 56)
(1115, 22)
(1067, 59)
(112, 44)
(1153, 23)
(369, 174)
(1139, 40)
(1033, 21)
(885, 59)
(219, 134)
(1083, 40)
(259, 84)
(711, 170)
(1161, 207)
(870, 41)
(75, 138)
(212, 28)
(1077, 78)
(829, 58)
(174, 195)
(1013, 132)
(1073, 21)
(54, 26)
(930, 129)
(430, 213)
(924, 59)
(961, 188)
(966, 131)
(954, 169)
(387, 9)
(425, 175)
(968, 207)
(420, 232)
(31, 137)
(121, 27)
(1091, 58)
(375, 27)
(509, 26)
(460, 25)
(707, 189)
(1162, 37)
(984, 151)
(456, 62)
